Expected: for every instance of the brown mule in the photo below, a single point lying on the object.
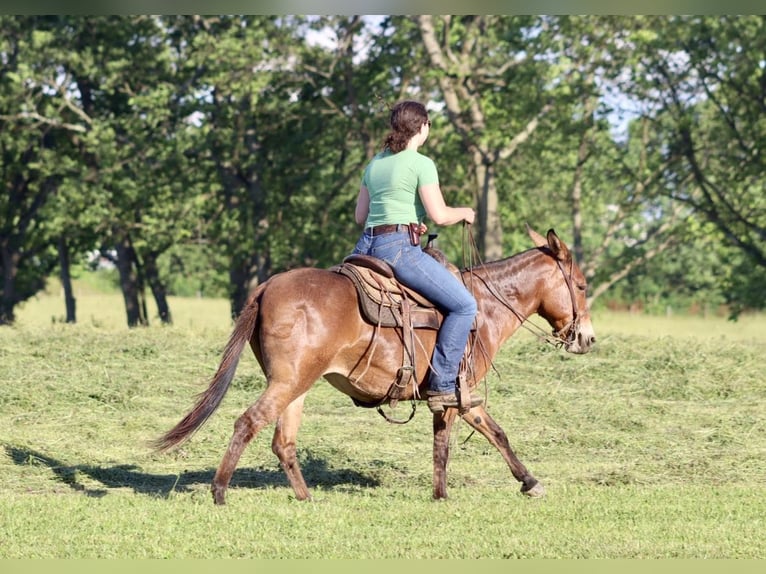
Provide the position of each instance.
(304, 324)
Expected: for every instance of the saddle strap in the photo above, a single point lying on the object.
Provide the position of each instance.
(463, 393)
(406, 372)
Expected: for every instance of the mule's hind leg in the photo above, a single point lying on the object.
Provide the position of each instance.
(283, 445)
(478, 418)
(263, 412)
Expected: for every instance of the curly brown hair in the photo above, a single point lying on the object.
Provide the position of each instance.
(407, 118)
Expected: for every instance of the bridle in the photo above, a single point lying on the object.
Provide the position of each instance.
(560, 338)
(567, 334)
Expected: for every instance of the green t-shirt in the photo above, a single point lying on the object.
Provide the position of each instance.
(393, 180)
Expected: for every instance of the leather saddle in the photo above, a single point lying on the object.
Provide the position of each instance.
(382, 297)
(385, 302)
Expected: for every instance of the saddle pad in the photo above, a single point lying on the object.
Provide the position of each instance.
(380, 299)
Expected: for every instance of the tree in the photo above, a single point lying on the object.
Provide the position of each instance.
(344, 92)
(236, 140)
(231, 62)
(124, 77)
(611, 186)
(37, 126)
(488, 77)
(704, 76)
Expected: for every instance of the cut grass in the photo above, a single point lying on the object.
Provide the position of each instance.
(651, 446)
(481, 522)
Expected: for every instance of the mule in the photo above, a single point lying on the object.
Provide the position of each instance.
(304, 324)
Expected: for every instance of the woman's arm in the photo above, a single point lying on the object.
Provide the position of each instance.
(362, 205)
(439, 212)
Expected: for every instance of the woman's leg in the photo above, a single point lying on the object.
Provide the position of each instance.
(423, 273)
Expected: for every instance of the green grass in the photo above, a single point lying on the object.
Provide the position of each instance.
(651, 446)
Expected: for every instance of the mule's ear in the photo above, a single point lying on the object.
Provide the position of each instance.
(558, 247)
(538, 239)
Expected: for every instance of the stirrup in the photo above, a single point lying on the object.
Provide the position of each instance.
(437, 403)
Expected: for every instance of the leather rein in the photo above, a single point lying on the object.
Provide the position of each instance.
(562, 337)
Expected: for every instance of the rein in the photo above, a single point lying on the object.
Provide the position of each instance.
(559, 338)
(563, 336)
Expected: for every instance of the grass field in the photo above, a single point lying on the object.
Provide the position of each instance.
(651, 446)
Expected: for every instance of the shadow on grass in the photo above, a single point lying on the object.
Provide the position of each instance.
(315, 471)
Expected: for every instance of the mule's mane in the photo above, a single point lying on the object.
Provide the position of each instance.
(507, 266)
(507, 279)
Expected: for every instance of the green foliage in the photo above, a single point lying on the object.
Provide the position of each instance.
(190, 270)
(31, 165)
(694, 277)
(743, 285)
(704, 76)
(222, 149)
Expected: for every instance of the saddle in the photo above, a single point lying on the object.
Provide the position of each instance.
(381, 296)
(385, 302)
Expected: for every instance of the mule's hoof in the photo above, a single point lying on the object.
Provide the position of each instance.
(537, 491)
(218, 496)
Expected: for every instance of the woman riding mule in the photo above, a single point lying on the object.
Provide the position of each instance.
(399, 187)
(304, 324)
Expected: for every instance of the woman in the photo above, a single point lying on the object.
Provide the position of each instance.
(401, 186)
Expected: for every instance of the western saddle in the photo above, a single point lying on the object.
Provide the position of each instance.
(385, 302)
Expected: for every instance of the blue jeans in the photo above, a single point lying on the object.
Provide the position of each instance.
(422, 273)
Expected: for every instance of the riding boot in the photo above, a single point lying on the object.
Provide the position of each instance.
(461, 398)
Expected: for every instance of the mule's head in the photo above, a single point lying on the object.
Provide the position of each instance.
(564, 303)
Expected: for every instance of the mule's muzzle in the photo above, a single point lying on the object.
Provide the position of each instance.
(580, 340)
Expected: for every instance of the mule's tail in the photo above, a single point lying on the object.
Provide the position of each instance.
(209, 400)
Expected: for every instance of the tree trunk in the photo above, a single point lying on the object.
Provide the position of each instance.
(8, 263)
(66, 281)
(463, 101)
(238, 279)
(129, 282)
(158, 288)
(576, 200)
(244, 277)
(490, 236)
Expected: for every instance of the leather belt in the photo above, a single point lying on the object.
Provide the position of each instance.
(383, 229)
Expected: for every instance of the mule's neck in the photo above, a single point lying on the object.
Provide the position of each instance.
(507, 290)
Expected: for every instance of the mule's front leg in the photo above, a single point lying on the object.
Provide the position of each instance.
(478, 418)
(442, 426)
